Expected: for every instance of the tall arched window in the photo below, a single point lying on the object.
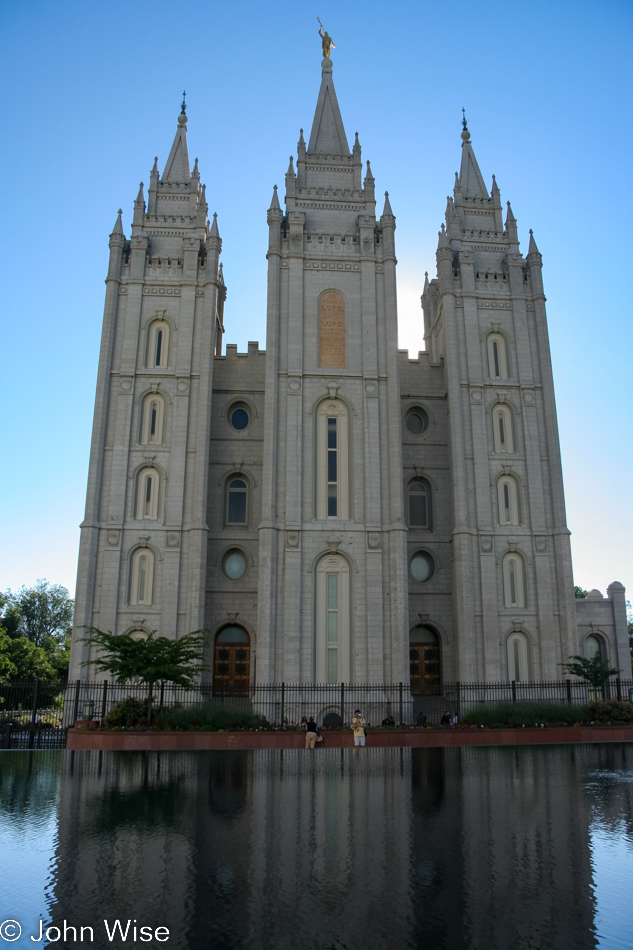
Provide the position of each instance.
(518, 657)
(424, 658)
(332, 468)
(419, 504)
(147, 486)
(594, 644)
(332, 620)
(514, 581)
(497, 357)
(508, 500)
(158, 344)
(502, 429)
(142, 576)
(236, 511)
(152, 420)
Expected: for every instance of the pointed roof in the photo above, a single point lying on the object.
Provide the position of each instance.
(328, 133)
(118, 224)
(470, 178)
(532, 249)
(177, 167)
(387, 208)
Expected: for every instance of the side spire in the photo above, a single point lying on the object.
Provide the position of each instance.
(118, 224)
(328, 133)
(274, 204)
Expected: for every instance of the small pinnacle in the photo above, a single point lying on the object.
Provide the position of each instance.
(120, 211)
(442, 226)
(426, 273)
(184, 103)
(531, 231)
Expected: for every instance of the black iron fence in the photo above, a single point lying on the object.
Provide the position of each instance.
(37, 715)
(31, 715)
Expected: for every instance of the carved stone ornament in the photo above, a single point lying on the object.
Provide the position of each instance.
(528, 396)
(162, 290)
(173, 540)
(371, 388)
(294, 385)
(476, 395)
(485, 543)
(182, 385)
(292, 539)
(113, 537)
(295, 238)
(126, 384)
(373, 539)
(540, 544)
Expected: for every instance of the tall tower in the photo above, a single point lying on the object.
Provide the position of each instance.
(485, 317)
(143, 542)
(332, 553)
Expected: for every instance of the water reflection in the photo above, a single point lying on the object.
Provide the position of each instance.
(443, 848)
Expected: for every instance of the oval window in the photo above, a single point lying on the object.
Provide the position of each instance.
(234, 565)
(421, 567)
(239, 418)
(416, 421)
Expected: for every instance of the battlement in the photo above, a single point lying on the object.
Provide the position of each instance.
(231, 351)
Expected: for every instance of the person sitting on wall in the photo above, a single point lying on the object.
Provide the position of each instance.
(311, 733)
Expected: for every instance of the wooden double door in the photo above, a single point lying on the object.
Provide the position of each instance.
(231, 669)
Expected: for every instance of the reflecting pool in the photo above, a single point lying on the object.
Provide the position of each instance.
(337, 849)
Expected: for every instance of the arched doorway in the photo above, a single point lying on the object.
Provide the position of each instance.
(424, 659)
(231, 662)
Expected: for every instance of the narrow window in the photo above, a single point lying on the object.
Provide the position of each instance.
(497, 358)
(502, 437)
(513, 582)
(517, 660)
(332, 627)
(149, 481)
(495, 350)
(332, 468)
(506, 502)
(159, 344)
(419, 507)
(141, 577)
(152, 421)
(236, 501)
(147, 495)
(502, 430)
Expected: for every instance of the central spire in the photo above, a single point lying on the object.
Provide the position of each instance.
(328, 133)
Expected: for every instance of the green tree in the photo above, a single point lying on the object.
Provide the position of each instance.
(580, 593)
(38, 613)
(592, 670)
(22, 660)
(8, 669)
(152, 660)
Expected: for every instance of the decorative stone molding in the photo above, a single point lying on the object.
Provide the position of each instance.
(500, 304)
(199, 292)
(459, 302)
(528, 397)
(126, 383)
(113, 537)
(332, 390)
(162, 290)
(122, 289)
(173, 540)
(476, 394)
(529, 306)
(371, 388)
(182, 385)
(284, 264)
(293, 538)
(294, 385)
(379, 268)
(373, 540)
(485, 543)
(540, 544)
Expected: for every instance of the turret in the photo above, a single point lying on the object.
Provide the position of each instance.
(274, 218)
(117, 243)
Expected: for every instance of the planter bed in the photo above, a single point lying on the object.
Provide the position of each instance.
(412, 738)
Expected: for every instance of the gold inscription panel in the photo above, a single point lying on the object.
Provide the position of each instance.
(332, 330)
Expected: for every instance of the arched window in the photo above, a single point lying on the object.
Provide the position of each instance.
(424, 658)
(152, 420)
(518, 657)
(513, 581)
(508, 500)
(158, 344)
(147, 485)
(332, 620)
(502, 428)
(236, 501)
(594, 644)
(332, 468)
(142, 577)
(419, 504)
(497, 357)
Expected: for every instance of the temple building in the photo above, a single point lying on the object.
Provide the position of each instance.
(330, 509)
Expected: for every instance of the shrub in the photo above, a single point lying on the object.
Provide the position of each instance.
(127, 713)
(207, 717)
(610, 710)
(526, 713)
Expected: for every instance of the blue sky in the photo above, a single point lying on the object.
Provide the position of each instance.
(91, 93)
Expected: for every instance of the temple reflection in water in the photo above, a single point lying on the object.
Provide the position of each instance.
(447, 848)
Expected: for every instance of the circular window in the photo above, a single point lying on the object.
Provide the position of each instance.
(224, 655)
(421, 567)
(234, 565)
(416, 421)
(239, 417)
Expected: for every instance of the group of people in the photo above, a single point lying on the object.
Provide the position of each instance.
(313, 735)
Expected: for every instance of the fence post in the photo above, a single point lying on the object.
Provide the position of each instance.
(343, 701)
(618, 686)
(568, 687)
(103, 701)
(76, 704)
(458, 687)
(401, 708)
(283, 702)
(33, 724)
(162, 694)
(514, 691)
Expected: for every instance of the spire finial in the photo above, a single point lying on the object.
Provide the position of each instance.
(182, 118)
(465, 132)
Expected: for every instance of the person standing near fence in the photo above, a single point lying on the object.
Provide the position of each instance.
(311, 733)
(358, 725)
